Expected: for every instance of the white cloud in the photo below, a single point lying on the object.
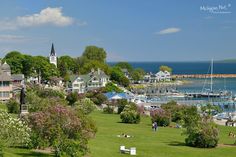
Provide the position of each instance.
(168, 31)
(12, 38)
(47, 16)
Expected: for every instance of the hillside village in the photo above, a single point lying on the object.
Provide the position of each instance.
(96, 78)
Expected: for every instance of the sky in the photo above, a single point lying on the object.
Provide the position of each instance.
(129, 30)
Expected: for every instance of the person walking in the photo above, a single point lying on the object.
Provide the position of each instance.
(155, 126)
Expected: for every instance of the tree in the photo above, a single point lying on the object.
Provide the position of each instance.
(63, 129)
(97, 97)
(95, 53)
(13, 106)
(15, 59)
(130, 114)
(67, 64)
(124, 65)
(27, 64)
(85, 105)
(117, 76)
(161, 117)
(93, 64)
(124, 81)
(200, 131)
(121, 105)
(137, 74)
(44, 68)
(111, 87)
(72, 98)
(165, 68)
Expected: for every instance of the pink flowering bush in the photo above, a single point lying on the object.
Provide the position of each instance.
(160, 116)
(63, 129)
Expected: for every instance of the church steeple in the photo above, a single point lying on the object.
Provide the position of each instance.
(53, 53)
(53, 56)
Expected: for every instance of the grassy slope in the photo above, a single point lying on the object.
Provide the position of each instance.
(167, 142)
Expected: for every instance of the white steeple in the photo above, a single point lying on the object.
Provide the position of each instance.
(53, 56)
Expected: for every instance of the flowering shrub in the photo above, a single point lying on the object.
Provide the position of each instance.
(108, 109)
(130, 114)
(85, 105)
(13, 106)
(63, 129)
(13, 132)
(160, 116)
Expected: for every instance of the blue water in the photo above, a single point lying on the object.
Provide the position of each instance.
(196, 68)
(187, 67)
(219, 84)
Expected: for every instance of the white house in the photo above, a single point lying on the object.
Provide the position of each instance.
(163, 76)
(90, 81)
(160, 76)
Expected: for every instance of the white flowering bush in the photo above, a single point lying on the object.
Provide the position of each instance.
(13, 132)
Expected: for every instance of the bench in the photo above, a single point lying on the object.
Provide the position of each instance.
(131, 151)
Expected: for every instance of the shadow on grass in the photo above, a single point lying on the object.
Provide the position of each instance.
(32, 153)
(176, 143)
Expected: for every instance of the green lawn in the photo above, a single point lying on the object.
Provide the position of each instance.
(167, 142)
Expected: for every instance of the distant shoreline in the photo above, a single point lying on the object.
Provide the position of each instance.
(204, 76)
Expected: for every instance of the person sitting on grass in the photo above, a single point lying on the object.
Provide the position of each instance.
(124, 135)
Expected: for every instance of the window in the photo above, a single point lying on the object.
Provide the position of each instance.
(76, 85)
(4, 83)
(4, 94)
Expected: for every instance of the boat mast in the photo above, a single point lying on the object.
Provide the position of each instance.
(211, 73)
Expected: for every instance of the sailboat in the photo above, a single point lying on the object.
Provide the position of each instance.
(214, 94)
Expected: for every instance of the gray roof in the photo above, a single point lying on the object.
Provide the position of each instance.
(5, 77)
(89, 76)
(5, 67)
(18, 77)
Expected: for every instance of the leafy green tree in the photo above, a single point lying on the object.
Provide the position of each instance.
(94, 53)
(97, 97)
(63, 129)
(121, 105)
(165, 68)
(111, 87)
(13, 106)
(67, 64)
(124, 81)
(124, 65)
(44, 68)
(137, 74)
(15, 59)
(130, 114)
(63, 69)
(93, 64)
(27, 64)
(205, 135)
(72, 98)
(85, 105)
(118, 76)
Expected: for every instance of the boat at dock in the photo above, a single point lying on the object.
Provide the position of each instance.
(210, 93)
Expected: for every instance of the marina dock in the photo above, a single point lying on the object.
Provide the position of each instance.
(205, 76)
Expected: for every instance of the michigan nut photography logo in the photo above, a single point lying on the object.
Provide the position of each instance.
(217, 9)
